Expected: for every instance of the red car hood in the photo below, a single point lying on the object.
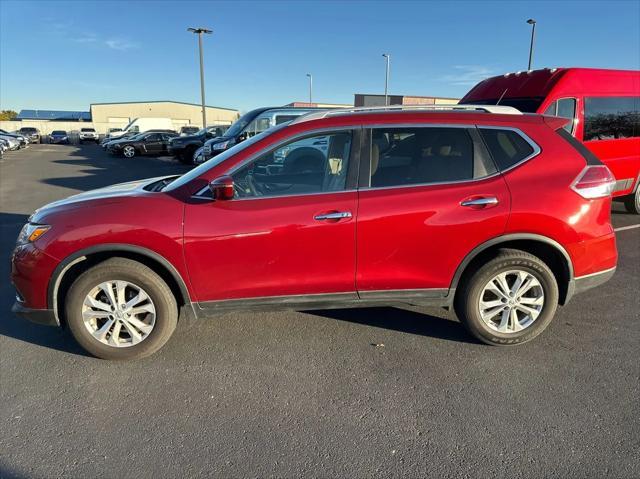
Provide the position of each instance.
(120, 190)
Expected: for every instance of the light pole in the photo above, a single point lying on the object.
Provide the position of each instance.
(200, 31)
(310, 76)
(386, 79)
(531, 22)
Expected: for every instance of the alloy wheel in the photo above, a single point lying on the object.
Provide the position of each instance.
(129, 151)
(511, 301)
(118, 313)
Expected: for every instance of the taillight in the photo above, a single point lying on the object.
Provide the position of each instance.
(594, 182)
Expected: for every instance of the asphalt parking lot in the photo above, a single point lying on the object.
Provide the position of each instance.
(382, 392)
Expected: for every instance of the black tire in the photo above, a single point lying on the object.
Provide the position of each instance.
(134, 272)
(468, 297)
(632, 202)
(187, 156)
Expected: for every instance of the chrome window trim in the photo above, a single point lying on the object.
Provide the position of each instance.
(536, 151)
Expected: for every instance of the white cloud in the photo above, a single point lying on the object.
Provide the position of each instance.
(120, 44)
(468, 75)
(88, 38)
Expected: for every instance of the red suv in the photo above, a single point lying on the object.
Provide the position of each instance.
(499, 215)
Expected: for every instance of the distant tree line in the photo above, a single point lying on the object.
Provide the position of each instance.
(8, 115)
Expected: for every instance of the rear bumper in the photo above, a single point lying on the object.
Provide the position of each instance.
(40, 316)
(584, 283)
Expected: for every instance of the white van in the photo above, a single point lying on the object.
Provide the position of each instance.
(140, 125)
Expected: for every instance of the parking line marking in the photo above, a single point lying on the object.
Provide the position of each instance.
(622, 228)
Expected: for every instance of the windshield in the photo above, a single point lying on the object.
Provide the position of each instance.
(524, 104)
(216, 160)
(87, 129)
(58, 132)
(242, 122)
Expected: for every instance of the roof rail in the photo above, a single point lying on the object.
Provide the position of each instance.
(505, 110)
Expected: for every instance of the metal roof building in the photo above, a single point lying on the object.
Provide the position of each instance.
(54, 115)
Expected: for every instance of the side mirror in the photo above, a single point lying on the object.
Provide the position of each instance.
(222, 188)
(241, 137)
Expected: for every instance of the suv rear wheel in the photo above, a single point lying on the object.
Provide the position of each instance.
(121, 309)
(509, 300)
(632, 202)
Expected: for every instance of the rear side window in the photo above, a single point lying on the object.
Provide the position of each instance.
(507, 147)
(413, 156)
(608, 118)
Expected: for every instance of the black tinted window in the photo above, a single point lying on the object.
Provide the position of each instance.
(506, 146)
(314, 164)
(410, 156)
(152, 137)
(608, 118)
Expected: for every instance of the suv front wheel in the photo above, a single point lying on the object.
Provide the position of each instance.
(509, 300)
(121, 309)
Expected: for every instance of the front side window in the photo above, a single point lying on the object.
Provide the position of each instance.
(608, 118)
(411, 156)
(315, 164)
(152, 137)
(507, 147)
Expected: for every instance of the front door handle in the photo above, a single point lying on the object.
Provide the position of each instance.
(480, 202)
(334, 215)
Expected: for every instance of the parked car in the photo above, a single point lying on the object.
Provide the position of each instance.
(141, 125)
(183, 147)
(450, 208)
(112, 131)
(22, 140)
(149, 143)
(12, 142)
(59, 136)
(32, 133)
(129, 135)
(4, 146)
(250, 124)
(603, 107)
(189, 130)
(88, 134)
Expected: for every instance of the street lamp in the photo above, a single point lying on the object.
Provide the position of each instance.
(531, 22)
(386, 79)
(310, 76)
(200, 31)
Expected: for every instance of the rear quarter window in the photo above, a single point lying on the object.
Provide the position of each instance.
(507, 147)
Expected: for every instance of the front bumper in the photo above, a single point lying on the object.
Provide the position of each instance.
(40, 316)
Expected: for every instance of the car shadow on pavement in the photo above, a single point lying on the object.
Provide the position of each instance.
(10, 325)
(401, 320)
(105, 169)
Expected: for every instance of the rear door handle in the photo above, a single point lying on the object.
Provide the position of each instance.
(334, 215)
(480, 202)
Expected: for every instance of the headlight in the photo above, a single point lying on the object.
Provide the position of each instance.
(221, 146)
(31, 232)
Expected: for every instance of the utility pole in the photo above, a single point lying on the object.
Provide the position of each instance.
(386, 79)
(200, 31)
(310, 76)
(531, 22)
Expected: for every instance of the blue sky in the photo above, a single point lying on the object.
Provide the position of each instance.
(66, 55)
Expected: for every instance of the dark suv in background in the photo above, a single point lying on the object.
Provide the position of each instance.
(250, 124)
(183, 147)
